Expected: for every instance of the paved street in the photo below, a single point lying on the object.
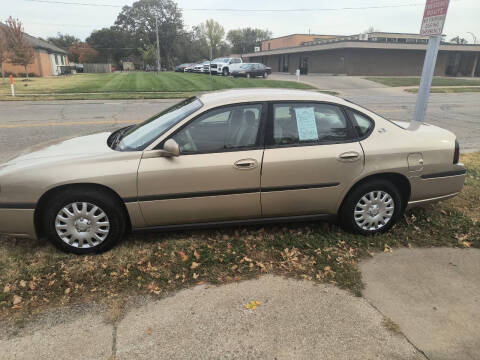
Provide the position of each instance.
(23, 124)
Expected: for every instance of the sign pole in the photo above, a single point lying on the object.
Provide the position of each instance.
(426, 81)
(12, 86)
(432, 26)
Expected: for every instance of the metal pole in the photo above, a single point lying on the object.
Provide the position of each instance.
(426, 81)
(158, 46)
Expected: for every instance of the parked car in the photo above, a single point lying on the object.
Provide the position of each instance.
(200, 67)
(232, 157)
(249, 70)
(224, 66)
(190, 68)
(182, 67)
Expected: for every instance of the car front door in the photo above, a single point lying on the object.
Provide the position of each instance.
(216, 177)
(311, 156)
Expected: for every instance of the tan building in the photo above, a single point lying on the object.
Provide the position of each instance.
(292, 40)
(380, 54)
(48, 59)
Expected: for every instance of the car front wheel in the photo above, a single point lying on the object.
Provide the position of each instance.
(225, 72)
(372, 207)
(265, 75)
(84, 222)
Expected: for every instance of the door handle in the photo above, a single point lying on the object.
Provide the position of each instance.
(349, 156)
(245, 164)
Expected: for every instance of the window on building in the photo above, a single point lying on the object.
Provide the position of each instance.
(268, 46)
(63, 59)
(56, 59)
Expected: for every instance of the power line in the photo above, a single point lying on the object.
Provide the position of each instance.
(243, 10)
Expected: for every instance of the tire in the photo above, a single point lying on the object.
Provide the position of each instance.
(265, 75)
(369, 220)
(78, 224)
(225, 72)
(248, 76)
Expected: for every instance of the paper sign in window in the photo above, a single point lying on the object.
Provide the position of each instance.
(306, 124)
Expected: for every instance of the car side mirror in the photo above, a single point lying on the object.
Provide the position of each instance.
(171, 148)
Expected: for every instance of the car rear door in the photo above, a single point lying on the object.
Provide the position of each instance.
(311, 157)
(216, 177)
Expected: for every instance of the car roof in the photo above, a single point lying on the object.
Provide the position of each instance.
(225, 97)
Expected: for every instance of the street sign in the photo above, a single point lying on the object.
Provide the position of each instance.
(432, 25)
(434, 17)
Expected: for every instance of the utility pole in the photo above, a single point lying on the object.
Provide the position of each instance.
(473, 36)
(158, 46)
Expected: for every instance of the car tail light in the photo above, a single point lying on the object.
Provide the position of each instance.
(456, 154)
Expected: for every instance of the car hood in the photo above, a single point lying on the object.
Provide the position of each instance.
(59, 150)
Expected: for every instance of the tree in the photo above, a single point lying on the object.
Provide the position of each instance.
(214, 33)
(370, 29)
(63, 41)
(82, 53)
(244, 40)
(3, 51)
(20, 50)
(459, 40)
(139, 21)
(149, 55)
(113, 44)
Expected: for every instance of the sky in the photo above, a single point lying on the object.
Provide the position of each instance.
(46, 19)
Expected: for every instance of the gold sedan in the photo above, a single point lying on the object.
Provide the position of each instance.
(232, 157)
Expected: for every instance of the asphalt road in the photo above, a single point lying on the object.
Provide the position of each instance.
(24, 124)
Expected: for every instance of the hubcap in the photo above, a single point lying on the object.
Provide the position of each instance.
(82, 225)
(374, 210)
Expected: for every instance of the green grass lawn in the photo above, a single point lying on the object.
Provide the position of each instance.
(415, 81)
(123, 85)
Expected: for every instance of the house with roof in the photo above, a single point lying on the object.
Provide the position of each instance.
(48, 58)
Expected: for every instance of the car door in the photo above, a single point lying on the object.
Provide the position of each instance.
(311, 156)
(216, 177)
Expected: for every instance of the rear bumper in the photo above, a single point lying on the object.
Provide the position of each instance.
(429, 188)
(17, 222)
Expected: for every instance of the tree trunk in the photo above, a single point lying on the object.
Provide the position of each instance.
(26, 72)
(3, 74)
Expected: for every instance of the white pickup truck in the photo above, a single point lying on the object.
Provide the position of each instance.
(225, 66)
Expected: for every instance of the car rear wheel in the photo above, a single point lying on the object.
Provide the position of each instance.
(372, 207)
(248, 76)
(225, 71)
(84, 222)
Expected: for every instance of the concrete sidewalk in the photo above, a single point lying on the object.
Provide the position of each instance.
(296, 319)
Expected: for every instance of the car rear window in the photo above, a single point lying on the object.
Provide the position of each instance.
(363, 124)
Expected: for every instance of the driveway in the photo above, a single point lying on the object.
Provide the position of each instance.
(294, 320)
(433, 295)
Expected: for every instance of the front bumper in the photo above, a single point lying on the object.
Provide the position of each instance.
(17, 222)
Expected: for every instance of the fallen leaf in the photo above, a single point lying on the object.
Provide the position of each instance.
(23, 283)
(387, 249)
(67, 291)
(195, 276)
(17, 299)
(6, 289)
(194, 265)
(466, 244)
(196, 254)
(234, 267)
(31, 285)
(183, 256)
(149, 331)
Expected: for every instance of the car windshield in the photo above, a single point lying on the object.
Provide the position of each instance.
(140, 136)
(220, 60)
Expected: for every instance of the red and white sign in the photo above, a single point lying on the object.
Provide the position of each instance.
(434, 17)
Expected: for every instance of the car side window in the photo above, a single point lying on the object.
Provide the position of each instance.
(362, 124)
(224, 129)
(305, 123)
